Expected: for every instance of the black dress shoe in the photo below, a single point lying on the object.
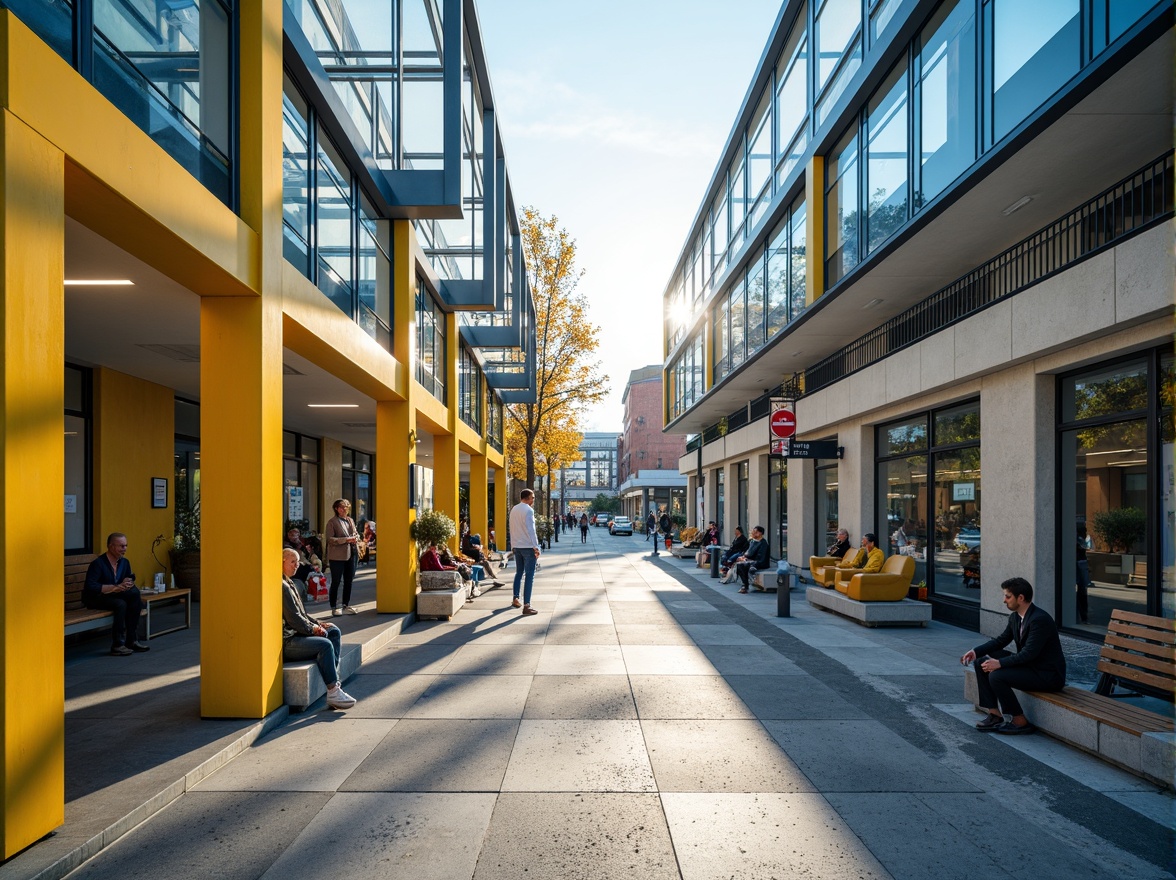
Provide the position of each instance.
(138, 648)
(990, 723)
(1010, 729)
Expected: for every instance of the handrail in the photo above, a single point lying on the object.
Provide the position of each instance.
(1128, 208)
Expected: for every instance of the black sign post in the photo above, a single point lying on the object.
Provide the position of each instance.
(815, 449)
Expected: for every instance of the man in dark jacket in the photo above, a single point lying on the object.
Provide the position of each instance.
(756, 558)
(1037, 665)
(841, 546)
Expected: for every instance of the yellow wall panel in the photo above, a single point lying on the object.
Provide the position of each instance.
(134, 441)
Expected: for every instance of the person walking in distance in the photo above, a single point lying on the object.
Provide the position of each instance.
(583, 528)
(524, 541)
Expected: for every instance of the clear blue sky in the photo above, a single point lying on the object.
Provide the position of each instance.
(613, 115)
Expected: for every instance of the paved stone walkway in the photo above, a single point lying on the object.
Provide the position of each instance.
(650, 723)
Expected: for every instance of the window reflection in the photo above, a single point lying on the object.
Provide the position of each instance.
(886, 159)
(841, 203)
(946, 68)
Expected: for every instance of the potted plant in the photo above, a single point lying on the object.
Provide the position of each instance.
(545, 529)
(1119, 529)
(432, 527)
(185, 550)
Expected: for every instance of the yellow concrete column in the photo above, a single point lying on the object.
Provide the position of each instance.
(501, 500)
(814, 228)
(479, 495)
(32, 449)
(446, 477)
(395, 571)
(241, 511)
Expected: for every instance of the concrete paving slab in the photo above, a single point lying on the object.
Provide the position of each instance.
(473, 696)
(556, 697)
(875, 660)
(376, 835)
(860, 755)
(642, 613)
(579, 756)
(749, 660)
(585, 618)
(437, 755)
(130, 696)
(410, 660)
(686, 696)
(209, 834)
(385, 696)
(312, 754)
(791, 696)
(764, 835)
(727, 755)
(581, 660)
(666, 660)
(580, 836)
(478, 659)
(652, 634)
(581, 634)
(826, 635)
(720, 634)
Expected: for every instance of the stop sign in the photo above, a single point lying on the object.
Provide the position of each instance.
(783, 423)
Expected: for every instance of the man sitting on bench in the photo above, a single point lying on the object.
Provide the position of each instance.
(1038, 665)
(304, 638)
(110, 586)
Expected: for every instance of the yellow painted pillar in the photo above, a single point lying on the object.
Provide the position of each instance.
(241, 414)
(814, 228)
(501, 500)
(240, 506)
(395, 571)
(32, 449)
(479, 496)
(446, 477)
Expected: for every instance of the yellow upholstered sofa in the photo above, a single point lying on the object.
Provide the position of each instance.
(824, 568)
(888, 585)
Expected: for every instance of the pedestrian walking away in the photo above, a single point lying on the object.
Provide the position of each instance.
(524, 541)
(583, 528)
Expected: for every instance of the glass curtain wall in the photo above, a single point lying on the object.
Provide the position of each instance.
(837, 45)
(928, 498)
(945, 80)
(167, 66)
(357, 485)
(430, 356)
(469, 399)
(826, 508)
(300, 480)
(1116, 436)
(78, 460)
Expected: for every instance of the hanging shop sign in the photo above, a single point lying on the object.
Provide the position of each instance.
(815, 449)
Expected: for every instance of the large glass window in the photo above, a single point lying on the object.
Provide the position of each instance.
(798, 259)
(945, 71)
(333, 217)
(778, 507)
(759, 160)
(720, 505)
(743, 471)
(886, 159)
(1112, 18)
(78, 419)
(1034, 48)
(841, 206)
(837, 43)
(357, 485)
(722, 352)
(827, 509)
(737, 299)
(375, 276)
(792, 99)
(1116, 436)
(296, 243)
(300, 470)
(430, 351)
(755, 307)
(928, 498)
(469, 378)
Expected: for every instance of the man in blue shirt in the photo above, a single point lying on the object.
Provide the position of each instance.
(524, 541)
(110, 586)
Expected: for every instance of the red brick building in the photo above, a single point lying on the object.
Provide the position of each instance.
(647, 459)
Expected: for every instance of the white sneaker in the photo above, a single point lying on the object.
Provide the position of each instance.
(339, 698)
(347, 609)
(335, 612)
(475, 592)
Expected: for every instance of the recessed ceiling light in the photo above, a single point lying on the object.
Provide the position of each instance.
(99, 282)
(333, 405)
(1017, 205)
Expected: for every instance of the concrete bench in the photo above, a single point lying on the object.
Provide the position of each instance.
(684, 552)
(906, 612)
(1137, 654)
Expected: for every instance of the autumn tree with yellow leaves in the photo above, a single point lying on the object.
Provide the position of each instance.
(543, 436)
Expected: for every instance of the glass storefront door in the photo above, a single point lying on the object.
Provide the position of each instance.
(827, 516)
(778, 507)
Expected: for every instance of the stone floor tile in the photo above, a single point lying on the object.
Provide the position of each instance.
(666, 660)
(385, 696)
(720, 634)
(749, 660)
(570, 697)
(687, 696)
(377, 835)
(473, 696)
(579, 756)
(726, 755)
(428, 659)
(720, 836)
(316, 753)
(480, 659)
(581, 634)
(791, 696)
(581, 660)
(437, 755)
(876, 660)
(577, 836)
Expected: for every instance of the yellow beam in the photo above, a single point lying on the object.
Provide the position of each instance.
(814, 228)
(32, 449)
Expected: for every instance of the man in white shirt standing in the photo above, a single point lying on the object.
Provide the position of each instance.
(524, 541)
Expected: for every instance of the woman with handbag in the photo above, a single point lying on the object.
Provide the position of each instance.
(342, 538)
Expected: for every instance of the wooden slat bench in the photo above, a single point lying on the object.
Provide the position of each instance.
(1138, 654)
(79, 618)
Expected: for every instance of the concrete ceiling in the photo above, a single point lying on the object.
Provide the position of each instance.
(1125, 123)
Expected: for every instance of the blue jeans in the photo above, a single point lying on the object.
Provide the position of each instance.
(524, 568)
(322, 649)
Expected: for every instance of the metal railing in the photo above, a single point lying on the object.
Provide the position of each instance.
(1129, 207)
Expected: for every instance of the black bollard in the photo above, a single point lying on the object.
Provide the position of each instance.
(784, 595)
(714, 558)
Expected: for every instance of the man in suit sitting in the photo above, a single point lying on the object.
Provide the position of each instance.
(1038, 664)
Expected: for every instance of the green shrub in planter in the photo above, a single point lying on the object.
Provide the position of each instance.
(432, 527)
(1120, 528)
